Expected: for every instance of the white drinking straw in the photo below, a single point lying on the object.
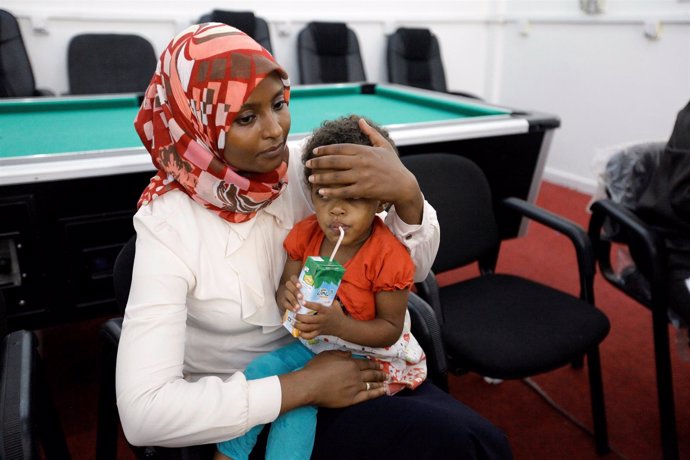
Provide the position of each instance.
(340, 240)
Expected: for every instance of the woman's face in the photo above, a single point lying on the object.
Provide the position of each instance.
(256, 140)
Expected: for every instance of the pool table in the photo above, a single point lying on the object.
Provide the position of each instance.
(72, 168)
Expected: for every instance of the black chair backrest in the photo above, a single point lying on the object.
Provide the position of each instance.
(16, 75)
(122, 272)
(246, 21)
(460, 193)
(109, 63)
(328, 52)
(414, 59)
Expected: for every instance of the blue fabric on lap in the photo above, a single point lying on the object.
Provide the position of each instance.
(291, 435)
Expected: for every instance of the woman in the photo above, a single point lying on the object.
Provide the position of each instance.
(209, 257)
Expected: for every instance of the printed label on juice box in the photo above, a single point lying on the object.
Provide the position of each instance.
(320, 279)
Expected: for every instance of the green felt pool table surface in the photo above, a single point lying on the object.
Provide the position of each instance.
(55, 149)
(41, 126)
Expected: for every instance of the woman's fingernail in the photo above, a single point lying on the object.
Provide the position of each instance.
(311, 178)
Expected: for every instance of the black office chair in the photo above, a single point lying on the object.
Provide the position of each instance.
(424, 326)
(246, 21)
(499, 325)
(31, 428)
(109, 63)
(616, 225)
(328, 52)
(414, 59)
(16, 74)
(612, 224)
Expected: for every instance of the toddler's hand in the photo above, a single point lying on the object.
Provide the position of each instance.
(289, 296)
(325, 320)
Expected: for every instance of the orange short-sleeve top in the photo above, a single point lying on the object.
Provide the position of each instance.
(381, 264)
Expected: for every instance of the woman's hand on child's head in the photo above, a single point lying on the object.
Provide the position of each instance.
(326, 321)
(362, 171)
(289, 296)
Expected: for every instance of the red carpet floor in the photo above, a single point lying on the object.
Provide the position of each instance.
(535, 429)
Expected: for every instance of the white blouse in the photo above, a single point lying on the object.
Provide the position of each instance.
(202, 305)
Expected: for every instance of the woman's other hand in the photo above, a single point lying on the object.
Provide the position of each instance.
(374, 172)
(332, 379)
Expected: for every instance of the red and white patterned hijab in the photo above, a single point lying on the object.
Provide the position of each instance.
(202, 79)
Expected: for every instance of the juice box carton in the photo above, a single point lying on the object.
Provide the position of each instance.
(320, 278)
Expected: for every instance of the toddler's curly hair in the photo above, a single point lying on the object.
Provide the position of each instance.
(343, 130)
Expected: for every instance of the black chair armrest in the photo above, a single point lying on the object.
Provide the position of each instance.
(646, 246)
(28, 414)
(427, 331)
(429, 291)
(576, 234)
(111, 331)
(18, 365)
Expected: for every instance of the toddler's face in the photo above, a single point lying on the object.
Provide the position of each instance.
(353, 215)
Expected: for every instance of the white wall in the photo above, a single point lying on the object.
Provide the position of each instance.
(606, 80)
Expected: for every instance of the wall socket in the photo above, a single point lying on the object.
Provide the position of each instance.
(592, 6)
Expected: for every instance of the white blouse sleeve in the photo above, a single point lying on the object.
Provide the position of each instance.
(157, 405)
(422, 240)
